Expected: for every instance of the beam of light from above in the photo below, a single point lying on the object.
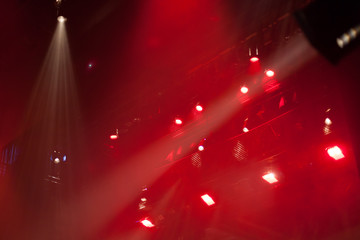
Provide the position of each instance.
(53, 113)
(54, 102)
(114, 191)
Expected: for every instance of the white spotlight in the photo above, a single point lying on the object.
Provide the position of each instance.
(56, 160)
(61, 19)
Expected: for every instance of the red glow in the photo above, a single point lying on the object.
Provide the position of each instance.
(244, 90)
(201, 148)
(207, 199)
(199, 108)
(113, 137)
(147, 223)
(254, 59)
(270, 73)
(335, 152)
(270, 178)
(178, 121)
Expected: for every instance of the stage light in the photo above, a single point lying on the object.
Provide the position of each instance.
(244, 90)
(199, 108)
(178, 121)
(254, 59)
(147, 223)
(270, 178)
(328, 121)
(270, 73)
(56, 160)
(201, 148)
(207, 199)
(335, 152)
(113, 137)
(245, 130)
(64, 158)
(61, 19)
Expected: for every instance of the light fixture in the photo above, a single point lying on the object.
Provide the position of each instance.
(244, 90)
(199, 108)
(147, 223)
(270, 73)
(270, 178)
(207, 199)
(61, 19)
(178, 121)
(335, 152)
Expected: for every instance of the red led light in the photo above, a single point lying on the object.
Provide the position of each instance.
(244, 90)
(178, 121)
(270, 178)
(199, 108)
(147, 223)
(113, 137)
(270, 73)
(335, 152)
(254, 59)
(207, 199)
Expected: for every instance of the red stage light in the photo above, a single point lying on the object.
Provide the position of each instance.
(270, 73)
(201, 148)
(254, 59)
(328, 121)
(244, 90)
(270, 178)
(178, 121)
(147, 223)
(245, 129)
(113, 137)
(207, 199)
(335, 152)
(199, 108)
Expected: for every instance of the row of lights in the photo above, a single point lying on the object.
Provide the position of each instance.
(270, 177)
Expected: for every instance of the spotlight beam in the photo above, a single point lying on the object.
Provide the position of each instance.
(116, 190)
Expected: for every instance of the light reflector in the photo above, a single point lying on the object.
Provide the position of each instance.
(270, 178)
(335, 152)
(207, 199)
